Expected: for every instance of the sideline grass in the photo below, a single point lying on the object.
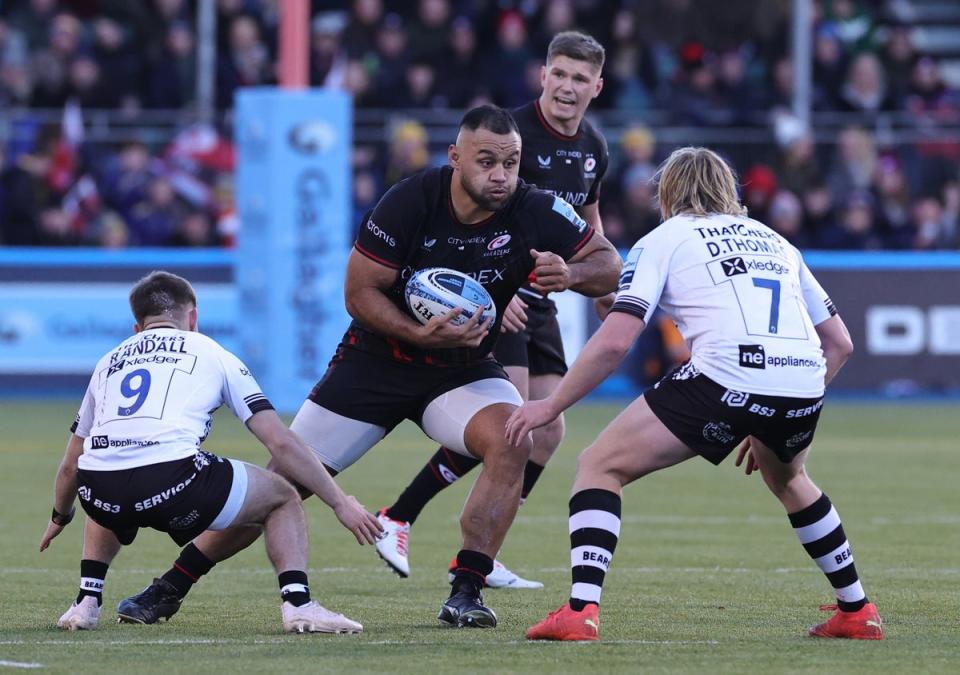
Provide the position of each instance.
(708, 575)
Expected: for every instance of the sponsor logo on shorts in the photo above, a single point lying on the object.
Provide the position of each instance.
(735, 399)
(799, 440)
(719, 433)
(201, 459)
(184, 522)
(803, 412)
(687, 371)
(84, 493)
(752, 356)
(165, 495)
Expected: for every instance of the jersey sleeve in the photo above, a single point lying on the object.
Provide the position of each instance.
(385, 231)
(240, 390)
(819, 305)
(643, 277)
(83, 422)
(563, 231)
(602, 163)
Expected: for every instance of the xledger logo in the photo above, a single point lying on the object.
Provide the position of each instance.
(752, 356)
(733, 266)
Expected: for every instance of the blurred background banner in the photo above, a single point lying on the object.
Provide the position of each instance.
(293, 198)
(61, 310)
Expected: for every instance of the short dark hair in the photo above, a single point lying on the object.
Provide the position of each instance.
(489, 117)
(577, 46)
(161, 294)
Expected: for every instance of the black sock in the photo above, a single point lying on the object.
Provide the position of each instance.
(819, 529)
(471, 571)
(92, 575)
(443, 470)
(594, 531)
(294, 587)
(531, 473)
(187, 569)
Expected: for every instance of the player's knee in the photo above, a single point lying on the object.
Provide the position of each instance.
(784, 480)
(547, 439)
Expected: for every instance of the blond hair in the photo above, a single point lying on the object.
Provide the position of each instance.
(698, 182)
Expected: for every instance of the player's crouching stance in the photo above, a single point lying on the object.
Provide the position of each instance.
(765, 340)
(134, 458)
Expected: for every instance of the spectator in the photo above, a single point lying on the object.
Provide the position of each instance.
(855, 26)
(360, 36)
(86, 85)
(14, 74)
(328, 59)
(638, 205)
(126, 178)
(50, 65)
(899, 57)
(194, 230)
(428, 31)
(853, 165)
(638, 146)
(929, 96)
(153, 220)
(118, 64)
(829, 67)
(408, 151)
(865, 90)
(171, 82)
(786, 218)
(759, 186)
(797, 166)
(893, 204)
(421, 89)
(463, 73)
(856, 228)
(33, 21)
(694, 99)
(392, 61)
(932, 230)
(818, 209)
(510, 61)
(246, 62)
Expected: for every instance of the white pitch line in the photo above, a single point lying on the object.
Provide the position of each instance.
(20, 664)
(292, 640)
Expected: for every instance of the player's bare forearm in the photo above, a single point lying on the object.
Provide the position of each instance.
(597, 273)
(65, 483)
(374, 310)
(836, 344)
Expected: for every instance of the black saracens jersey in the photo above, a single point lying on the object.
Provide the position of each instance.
(414, 227)
(570, 167)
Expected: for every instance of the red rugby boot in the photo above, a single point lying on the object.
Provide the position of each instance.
(864, 624)
(567, 624)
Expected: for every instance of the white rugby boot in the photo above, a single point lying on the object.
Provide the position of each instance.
(81, 616)
(392, 544)
(315, 618)
(500, 577)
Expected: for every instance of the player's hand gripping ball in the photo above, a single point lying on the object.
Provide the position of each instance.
(435, 291)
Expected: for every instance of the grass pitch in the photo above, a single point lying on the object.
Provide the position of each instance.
(708, 576)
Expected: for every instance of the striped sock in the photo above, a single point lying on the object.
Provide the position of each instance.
(92, 575)
(819, 529)
(594, 529)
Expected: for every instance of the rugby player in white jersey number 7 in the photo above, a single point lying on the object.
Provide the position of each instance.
(134, 459)
(765, 340)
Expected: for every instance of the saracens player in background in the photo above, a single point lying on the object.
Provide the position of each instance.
(564, 154)
(477, 217)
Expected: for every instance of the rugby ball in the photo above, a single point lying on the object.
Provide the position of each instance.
(435, 291)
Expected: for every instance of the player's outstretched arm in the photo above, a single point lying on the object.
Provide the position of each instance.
(64, 491)
(297, 462)
(365, 295)
(600, 357)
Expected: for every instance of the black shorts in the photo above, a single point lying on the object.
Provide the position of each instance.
(712, 420)
(538, 347)
(182, 498)
(384, 392)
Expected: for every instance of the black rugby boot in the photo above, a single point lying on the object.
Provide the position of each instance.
(465, 609)
(159, 600)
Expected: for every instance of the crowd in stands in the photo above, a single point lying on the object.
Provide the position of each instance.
(858, 184)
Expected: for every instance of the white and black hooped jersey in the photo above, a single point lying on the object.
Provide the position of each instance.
(151, 399)
(741, 296)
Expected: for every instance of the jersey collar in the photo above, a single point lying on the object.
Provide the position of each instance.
(546, 125)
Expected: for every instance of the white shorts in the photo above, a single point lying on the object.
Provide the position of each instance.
(340, 441)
